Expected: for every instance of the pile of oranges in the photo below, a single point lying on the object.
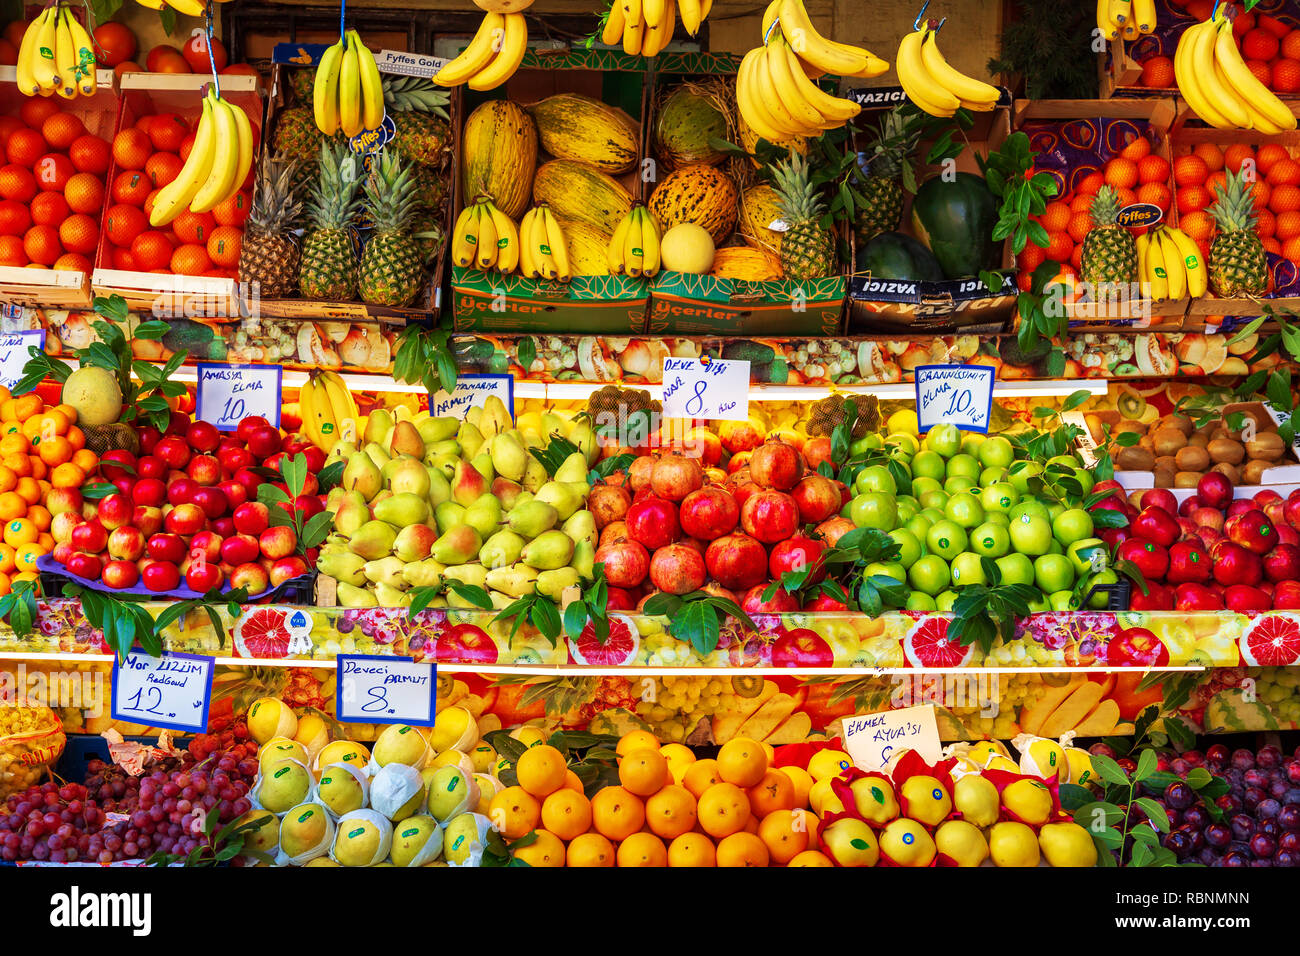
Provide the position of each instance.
(43, 465)
(668, 809)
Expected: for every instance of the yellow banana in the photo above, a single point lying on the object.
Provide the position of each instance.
(1109, 29)
(1144, 15)
(176, 196)
(527, 254)
(350, 92)
(1215, 85)
(558, 245)
(874, 66)
(650, 244)
(653, 12)
(767, 101)
(65, 56)
(612, 35)
(372, 87)
(1156, 274)
(749, 99)
(657, 37)
(507, 239)
(325, 429)
(1174, 270)
(965, 88)
(633, 250)
(343, 407)
(614, 254)
(1118, 11)
(1190, 254)
(1245, 84)
(244, 153)
(306, 408)
(633, 27)
(705, 7)
(832, 109)
(225, 160)
(85, 57)
(1143, 244)
(325, 91)
(482, 48)
(514, 44)
(812, 46)
(922, 88)
(778, 68)
(691, 15)
(190, 8)
(464, 237)
(44, 69)
(27, 84)
(541, 248)
(1189, 78)
(486, 256)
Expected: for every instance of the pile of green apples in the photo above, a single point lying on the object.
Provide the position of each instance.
(968, 498)
(429, 500)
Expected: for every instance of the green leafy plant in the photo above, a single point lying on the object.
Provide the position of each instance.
(984, 612)
(313, 530)
(18, 608)
(697, 618)
(424, 357)
(471, 593)
(536, 609)
(1275, 383)
(218, 846)
(590, 607)
(123, 621)
(210, 604)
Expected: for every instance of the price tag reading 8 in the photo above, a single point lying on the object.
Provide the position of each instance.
(387, 690)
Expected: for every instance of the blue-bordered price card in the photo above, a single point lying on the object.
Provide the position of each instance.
(230, 393)
(171, 691)
(385, 690)
(960, 395)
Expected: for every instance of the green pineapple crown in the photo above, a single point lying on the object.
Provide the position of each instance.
(896, 139)
(276, 203)
(390, 192)
(1105, 207)
(799, 199)
(334, 202)
(415, 94)
(1234, 211)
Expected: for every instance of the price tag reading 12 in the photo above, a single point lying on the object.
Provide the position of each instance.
(706, 388)
(171, 691)
(230, 393)
(960, 395)
(385, 690)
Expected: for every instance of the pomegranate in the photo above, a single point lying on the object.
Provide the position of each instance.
(612, 533)
(709, 513)
(817, 450)
(675, 476)
(775, 464)
(832, 529)
(795, 554)
(737, 462)
(652, 522)
(639, 474)
(770, 516)
(736, 561)
(780, 603)
(607, 504)
(717, 590)
(818, 498)
(677, 569)
(620, 599)
(703, 444)
(741, 436)
(626, 563)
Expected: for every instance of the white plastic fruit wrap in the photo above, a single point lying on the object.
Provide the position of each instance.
(454, 841)
(352, 771)
(255, 795)
(1042, 757)
(396, 745)
(393, 787)
(320, 849)
(378, 820)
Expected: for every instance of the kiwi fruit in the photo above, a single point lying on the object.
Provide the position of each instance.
(1146, 442)
(1267, 446)
(1166, 463)
(1218, 432)
(1187, 479)
(1228, 471)
(1128, 425)
(1181, 422)
(1135, 459)
(1226, 450)
(1164, 477)
(1167, 441)
(1252, 473)
(1199, 439)
(1192, 458)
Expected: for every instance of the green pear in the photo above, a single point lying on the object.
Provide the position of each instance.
(377, 454)
(553, 424)
(341, 451)
(343, 566)
(334, 497)
(528, 421)
(447, 464)
(447, 515)
(414, 542)
(448, 446)
(404, 413)
(581, 526)
(439, 486)
(500, 600)
(483, 462)
(554, 583)
(363, 475)
(378, 424)
(467, 484)
(584, 437)
(424, 574)
(548, 551)
(373, 540)
(437, 429)
(584, 560)
(390, 596)
(403, 509)
(500, 550)
(388, 570)
(406, 441)
(532, 518)
(457, 545)
(508, 457)
(495, 417)
(382, 496)
(410, 475)
(507, 491)
(474, 574)
(470, 438)
(534, 475)
(573, 468)
(515, 580)
(351, 596)
(560, 496)
(484, 515)
(350, 512)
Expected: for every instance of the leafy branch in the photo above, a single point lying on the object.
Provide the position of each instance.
(472, 594)
(310, 532)
(983, 612)
(210, 602)
(217, 846)
(424, 357)
(18, 608)
(697, 618)
(123, 621)
(537, 609)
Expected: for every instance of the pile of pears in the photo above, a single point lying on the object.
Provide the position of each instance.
(426, 500)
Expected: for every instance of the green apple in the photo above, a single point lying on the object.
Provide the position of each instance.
(1055, 547)
(873, 510)
(1053, 572)
(923, 484)
(1022, 473)
(933, 499)
(1015, 568)
(991, 476)
(1031, 534)
(889, 569)
(1099, 600)
(944, 439)
(996, 452)
(876, 478)
(1054, 510)
(1061, 600)
(1072, 525)
(929, 574)
(964, 465)
(944, 601)
(999, 518)
(904, 442)
(966, 569)
(1029, 506)
(1089, 555)
(920, 601)
(933, 515)
(863, 445)
(909, 546)
(928, 463)
(947, 539)
(907, 509)
(1066, 461)
(956, 483)
(965, 509)
(999, 496)
(990, 540)
(1038, 605)
(1086, 479)
(919, 525)
(970, 443)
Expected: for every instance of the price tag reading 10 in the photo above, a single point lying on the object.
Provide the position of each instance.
(385, 690)
(171, 691)
(960, 395)
(230, 393)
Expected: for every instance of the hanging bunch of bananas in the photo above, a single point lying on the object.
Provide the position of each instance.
(1128, 18)
(217, 165)
(484, 237)
(634, 247)
(646, 26)
(932, 83)
(56, 56)
(1217, 84)
(348, 94)
(1170, 265)
(776, 97)
(543, 250)
(329, 412)
(492, 56)
(189, 8)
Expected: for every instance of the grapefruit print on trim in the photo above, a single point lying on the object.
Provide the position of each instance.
(927, 645)
(1271, 640)
(619, 648)
(261, 632)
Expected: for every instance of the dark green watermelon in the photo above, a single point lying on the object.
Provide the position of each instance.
(955, 220)
(892, 255)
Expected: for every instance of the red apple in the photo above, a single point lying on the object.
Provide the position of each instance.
(618, 599)
(212, 501)
(1283, 563)
(118, 463)
(174, 452)
(236, 494)
(1253, 531)
(151, 466)
(1208, 518)
(224, 526)
(286, 569)
(1150, 558)
(1239, 507)
(114, 511)
(277, 543)
(1214, 489)
(240, 549)
(161, 575)
(149, 438)
(204, 469)
(60, 500)
(90, 537)
(824, 602)
(308, 506)
(185, 519)
(166, 547)
(207, 543)
(1188, 505)
(1188, 562)
(120, 575)
(87, 566)
(203, 436)
(126, 543)
(148, 519)
(252, 576)
(264, 442)
(234, 457)
(1245, 599)
(1159, 498)
(203, 576)
(1286, 534)
(1159, 597)
(61, 526)
(252, 517)
(181, 490)
(1156, 524)
(248, 425)
(1286, 595)
(1233, 564)
(149, 491)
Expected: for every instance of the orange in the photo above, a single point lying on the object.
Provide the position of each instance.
(1284, 172)
(27, 555)
(20, 531)
(5, 585)
(56, 450)
(801, 780)
(1153, 169)
(573, 782)
(39, 469)
(1055, 216)
(1216, 183)
(1155, 193)
(1211, 155)
(811, 858)
(540, 770)
(24, 576)
(642, 849)
(774, 792)
(1236, 154)
(547, 850)
(1192, 198)
(1090, 184)
(566, 814)
(1286, 225)
(692, 849)
(76, 438)
(1080, 225)
(699, 776)
(1285, 198)
(680, 758)
(643, 772)
(1191, 170)
(32, 429)
(20, 464)
(671, 812)
(743, 849)
(1141, 146)
(8, 558)
(14, 444)
(67, 475)
(8, 480)
(1269, 154)
(39, 516)
(616, 813)
(1291, 250)
(785, 834)
(1198, 225)
(636, 740)
(27, 406)
(1081, 203)
(514, 812)
(742, 761)
(723, 809)
(1122, 173)
(29, 490)
(54, 422)
(1266, 225)
(1059, 246)
(45, 542)
(7, 409)
(590, 849)
(85, 459)
(12, 506)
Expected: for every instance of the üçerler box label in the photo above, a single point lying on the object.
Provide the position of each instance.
(386, 690)
(230, 393)
(472, 391)
(960, 395)
(872, 739)
(14, 354)
(706, 388)
(171, 691)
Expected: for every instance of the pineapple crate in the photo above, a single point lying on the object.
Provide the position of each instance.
(746, 292)
(166, 295)
(49, 288)
(1075, 138)
(419, 134)
(595, 303)
(879, 304)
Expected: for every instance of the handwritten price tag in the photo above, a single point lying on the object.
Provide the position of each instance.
(14, 355)
(171, 691)
(472, 391)
(386, 690)
(960, 395)
(871, 739)
(706, 388)
(230, 393)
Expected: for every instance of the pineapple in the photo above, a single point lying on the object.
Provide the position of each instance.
(392, 268)
(807, 249)
(303, 82)
(268, 258)
(883, 176)
(1238, 262)
(1109, 250)
(296, 135)
(417, 108)
(329, 260)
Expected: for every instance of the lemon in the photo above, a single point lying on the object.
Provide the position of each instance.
(983, 749)
(927, 799)
(1067, 844)
(999, 762)
(1013, 844)
(907, 843)
(962, 842)
(874, 799)
(850, 842)
(454, 729)
(1041, 757)
(829, 763)
(1030, 800)
(1080, 763)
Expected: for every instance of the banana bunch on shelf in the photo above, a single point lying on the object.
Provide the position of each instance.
(1169, 264)
(634, 247)
(492, 56)
(1127, 18)
(217, 165)
(774, 91)
(543, 250)
(645, 26)
(1217, 84)
(329, 412)
(485, 237)
(56, 56)
(932, 83)
(188, 8)
(348, 94)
